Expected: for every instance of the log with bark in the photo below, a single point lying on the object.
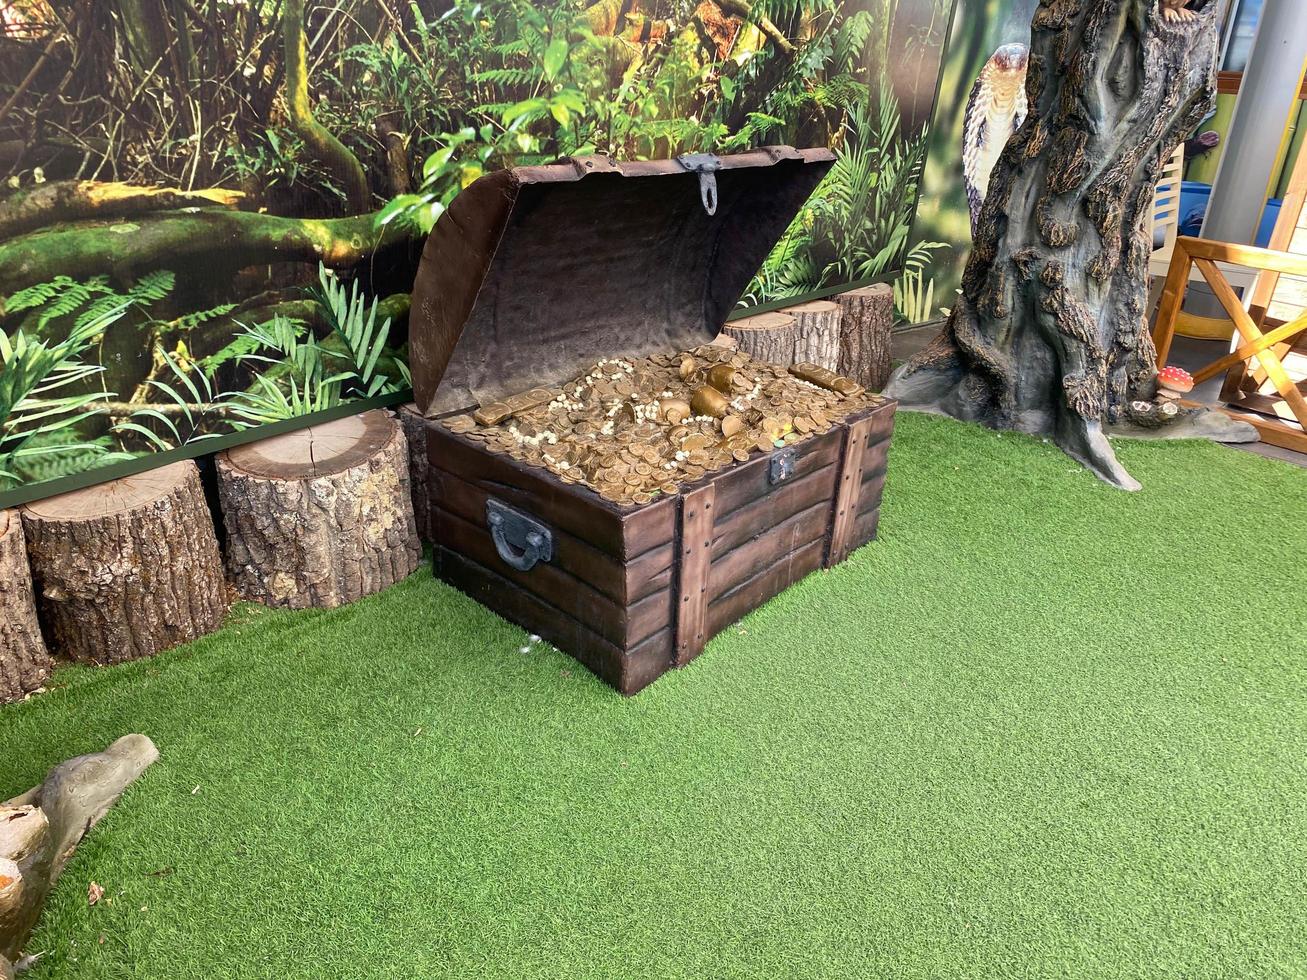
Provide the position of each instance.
(816, 334)
(1048, 335)
(764, 336)
(419, 470)
(24, 661)
(866, 323)
(321, 516)
(128, 568)
(40, 830)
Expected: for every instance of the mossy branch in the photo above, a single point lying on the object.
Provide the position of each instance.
(329, 151)
(200, 239)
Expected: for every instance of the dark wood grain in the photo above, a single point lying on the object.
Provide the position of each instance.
(768, 582)
(624, 625)
(766, 512)
(847, 491)
(695, 546)
(623, 533)
(627, 670)
(746, 482)
(622, 581)
(769, 547)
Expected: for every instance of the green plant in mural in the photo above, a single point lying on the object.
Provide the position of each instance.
(856, 225)
(301, 374)
(914, 291)
(40, 404)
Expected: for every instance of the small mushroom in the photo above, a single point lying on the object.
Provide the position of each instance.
(720, 376)
(709, 401)
(1174, 382)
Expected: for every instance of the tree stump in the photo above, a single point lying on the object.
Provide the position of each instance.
(40, 830)
(764, 337)
(415, 432)
(321, 516)
(1048, 334)
(24, 661)
(817, 334)
(128, 568)
(866, 321)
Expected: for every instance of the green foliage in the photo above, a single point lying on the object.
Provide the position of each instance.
(188, 410)
(856, 225)
(304, 375)
(92, 300)
(538, 83)
(40, 400)
(914, 292)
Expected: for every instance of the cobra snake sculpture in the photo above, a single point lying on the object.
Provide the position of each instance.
(995, 110)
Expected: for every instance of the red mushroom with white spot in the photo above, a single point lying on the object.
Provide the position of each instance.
(1174, 382)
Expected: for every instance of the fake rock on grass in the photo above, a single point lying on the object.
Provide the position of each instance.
(40, 830)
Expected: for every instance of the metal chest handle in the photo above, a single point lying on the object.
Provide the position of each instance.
(706, 166)
(520, 539)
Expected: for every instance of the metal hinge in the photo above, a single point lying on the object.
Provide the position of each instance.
(706, 166)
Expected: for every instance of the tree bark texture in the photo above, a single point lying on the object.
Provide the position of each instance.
(320, 517)
(24, 661)
(331, 152)
(210, 238)
(128, 568)
(1048, 335)
(419, 470)
(866, 323)
(40, 830)
(766, 337)
(816, 334)
(84, 200)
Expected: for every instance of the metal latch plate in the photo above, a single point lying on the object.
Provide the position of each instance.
(782, 463)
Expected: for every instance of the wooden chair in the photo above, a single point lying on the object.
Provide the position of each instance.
(1256, 371)
(1165, 216)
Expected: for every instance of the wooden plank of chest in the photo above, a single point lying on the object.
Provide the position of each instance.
(769, 581)
(697, 508)
(623, 533)
(620, 624)
(622, 581)
(749, 481)
(627, 670)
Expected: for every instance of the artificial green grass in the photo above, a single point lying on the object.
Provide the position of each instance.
(1042, 727)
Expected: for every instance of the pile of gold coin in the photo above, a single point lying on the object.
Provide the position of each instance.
(632, 429)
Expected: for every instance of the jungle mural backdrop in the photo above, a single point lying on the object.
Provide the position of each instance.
(211, 211)
(982, 101)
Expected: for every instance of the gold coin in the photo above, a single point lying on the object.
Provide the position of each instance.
(731, 425)
(803, 424)
(741, 455)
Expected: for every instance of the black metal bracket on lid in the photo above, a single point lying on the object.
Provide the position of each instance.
(706, 166)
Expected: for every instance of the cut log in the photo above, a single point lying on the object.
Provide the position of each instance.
(127, 568)
(24, 660)
(866, 321)
(817, 334)
(766, 337)
(415, 432)
(40, 830)
(321, 516)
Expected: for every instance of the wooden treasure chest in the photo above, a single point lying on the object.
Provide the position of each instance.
(601, 473)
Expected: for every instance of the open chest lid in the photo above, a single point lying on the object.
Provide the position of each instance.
(534, 273)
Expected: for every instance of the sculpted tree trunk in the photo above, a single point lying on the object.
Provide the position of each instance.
(1048, 335)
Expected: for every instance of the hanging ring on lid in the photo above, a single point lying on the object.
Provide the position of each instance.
(706, 166)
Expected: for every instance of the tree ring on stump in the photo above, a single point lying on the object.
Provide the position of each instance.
(315, 451)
